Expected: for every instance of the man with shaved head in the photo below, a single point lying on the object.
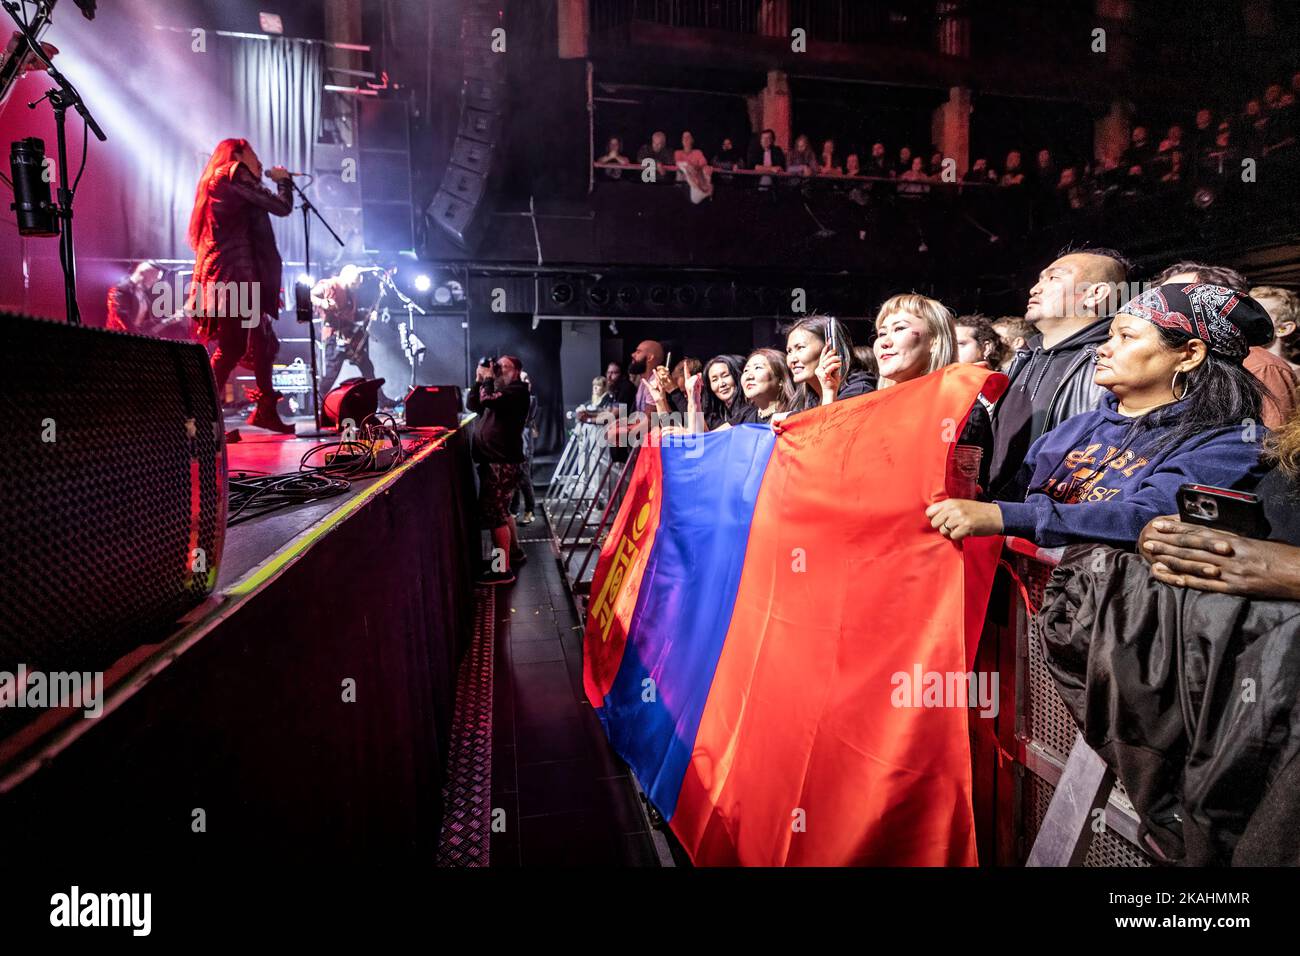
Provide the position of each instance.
(1051, 377)
(648, 356)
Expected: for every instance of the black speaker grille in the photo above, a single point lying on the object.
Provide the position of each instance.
(115, 475)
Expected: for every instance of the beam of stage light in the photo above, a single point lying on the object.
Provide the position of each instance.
(423, 283)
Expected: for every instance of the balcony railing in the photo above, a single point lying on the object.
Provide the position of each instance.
(734, 16)
(901, 22)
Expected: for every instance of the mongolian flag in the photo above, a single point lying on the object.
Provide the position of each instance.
(774, 624)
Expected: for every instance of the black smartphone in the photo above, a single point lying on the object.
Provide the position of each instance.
(1224, 509)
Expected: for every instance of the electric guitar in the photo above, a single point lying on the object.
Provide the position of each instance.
(357, 343)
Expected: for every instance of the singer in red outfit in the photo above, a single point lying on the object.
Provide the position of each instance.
(236, 291)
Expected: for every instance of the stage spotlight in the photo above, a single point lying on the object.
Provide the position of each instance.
(423, 283)
(598, 295)
(441, 295)
(1204, 197)
(561, 293)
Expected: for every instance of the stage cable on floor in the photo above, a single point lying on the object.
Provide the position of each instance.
(325, 470)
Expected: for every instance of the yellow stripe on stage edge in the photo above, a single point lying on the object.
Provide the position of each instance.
(281, 559)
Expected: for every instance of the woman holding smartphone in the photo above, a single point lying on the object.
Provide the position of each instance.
(823, 368)
(1181, 408)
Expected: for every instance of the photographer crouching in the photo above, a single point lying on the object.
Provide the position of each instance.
(500, 399)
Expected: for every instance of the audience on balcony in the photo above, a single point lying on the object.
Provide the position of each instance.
(878, 164)
(728, 157)
(828, 163)
(980, 172)
(904, 160)
(765, 156)
(1013, 174)
(802, 160)
(657, 149)
(614, 154)
(1207, 150)
(693, 169)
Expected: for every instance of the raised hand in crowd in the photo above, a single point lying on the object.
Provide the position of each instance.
(829, 373)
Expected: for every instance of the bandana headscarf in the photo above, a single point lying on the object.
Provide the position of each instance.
(1228, 322)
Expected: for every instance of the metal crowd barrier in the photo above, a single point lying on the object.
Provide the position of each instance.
(1056, 780)
(581, 502)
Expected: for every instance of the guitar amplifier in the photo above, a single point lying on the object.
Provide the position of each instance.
(433, 405)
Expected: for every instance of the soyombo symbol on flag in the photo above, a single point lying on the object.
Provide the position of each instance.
(756, 597)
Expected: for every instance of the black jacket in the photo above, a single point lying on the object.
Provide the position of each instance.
(755, 155)
(499, 432)
(1192, 698)
(1076, 392)
(1057, 383)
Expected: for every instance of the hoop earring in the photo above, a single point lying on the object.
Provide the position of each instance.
(1173, 386)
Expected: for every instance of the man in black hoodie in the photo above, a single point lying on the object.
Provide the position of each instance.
(1051, 378)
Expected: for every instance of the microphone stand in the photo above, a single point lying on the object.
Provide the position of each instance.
(60, 99)
(307, 210)
(411, 309)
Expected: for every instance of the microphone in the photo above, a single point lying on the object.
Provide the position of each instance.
(267, 173)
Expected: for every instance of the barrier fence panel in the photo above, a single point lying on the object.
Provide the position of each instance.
(1045, 733)
(581, 502)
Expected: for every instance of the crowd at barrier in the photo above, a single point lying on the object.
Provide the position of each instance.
(1157, 441)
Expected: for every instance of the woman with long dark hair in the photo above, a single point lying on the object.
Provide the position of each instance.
(822, 374)
(236, 290)
(1182, 408)
(721, 400)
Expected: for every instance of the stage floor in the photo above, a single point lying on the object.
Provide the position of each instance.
(258, 541)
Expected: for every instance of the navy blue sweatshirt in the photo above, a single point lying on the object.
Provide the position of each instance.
(1100, 476)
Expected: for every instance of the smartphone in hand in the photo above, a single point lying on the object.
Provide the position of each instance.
(1223, 509)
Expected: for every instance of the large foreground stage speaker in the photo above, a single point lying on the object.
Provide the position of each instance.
(113, 508)
(352, 401)
(433, 405)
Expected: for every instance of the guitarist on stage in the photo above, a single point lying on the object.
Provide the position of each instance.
(346, 335)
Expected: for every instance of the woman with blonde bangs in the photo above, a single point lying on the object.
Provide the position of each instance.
(915, 335)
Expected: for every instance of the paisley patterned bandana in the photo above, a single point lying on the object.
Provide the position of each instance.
(1228, 322)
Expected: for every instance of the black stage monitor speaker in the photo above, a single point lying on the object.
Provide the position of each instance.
(433, 405)
(113, 507)
(352, 401)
